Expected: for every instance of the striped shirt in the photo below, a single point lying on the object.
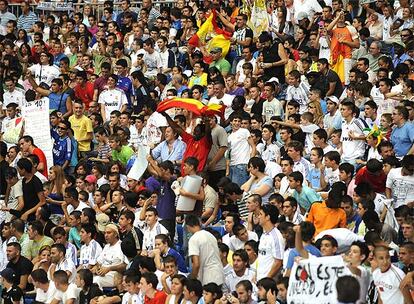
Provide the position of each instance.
(89, 253)
(271, 248)
(26, 22)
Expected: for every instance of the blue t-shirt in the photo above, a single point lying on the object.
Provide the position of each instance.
(62, 151)
(179, 258)
(402, 138)
(58, 102)
(125, 84)
(307, 197)
(166, 201)
(294, 253)
(314, 177)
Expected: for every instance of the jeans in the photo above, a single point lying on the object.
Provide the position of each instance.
(239, 174)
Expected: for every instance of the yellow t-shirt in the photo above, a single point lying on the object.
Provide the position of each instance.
(202, 80)
(81, 127)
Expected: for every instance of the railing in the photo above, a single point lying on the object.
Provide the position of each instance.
(46, 7)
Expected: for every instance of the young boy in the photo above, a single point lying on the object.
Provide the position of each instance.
(387, 278)
(119, 152)
(336, 140)
(297, 90)
(306, 126)
(316, 178)
(346, 174)
(332, 160)
(282, 288)
(320, 138)
(66, 293)
(132, 287)
(271, 106)
(12, 294)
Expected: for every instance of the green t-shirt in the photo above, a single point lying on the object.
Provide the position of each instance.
(124, 155)
(34, 246)
(222, 65)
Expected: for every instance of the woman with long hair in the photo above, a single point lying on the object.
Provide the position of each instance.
(316, 109)
(22, 38)
(113, 27)
(55, 196)
(212, 293)
(43, 261)
(177, 287)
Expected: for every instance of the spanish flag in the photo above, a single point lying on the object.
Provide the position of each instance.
(193, 105)
(211, 35)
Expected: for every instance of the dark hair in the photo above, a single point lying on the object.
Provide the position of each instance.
(192, 161)
(151, 278)
(37, 226)
(297, 176)
(363, 248)
(39, 275)
(308, 231)
(192, 220)
(257, 163)
(374, 165)
(333, 156)
(59, 247)
(194, 285)
(272, 212)
(348, 289)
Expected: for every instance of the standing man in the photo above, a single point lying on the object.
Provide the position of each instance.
(352, 137)
(82, 128)
(271, 245)
(204, 253)
(402, 136)
(27, 19)
(33, 195)
(216, 163)
(344, 40)
(84, 90)
(5, 15)
(28, 147)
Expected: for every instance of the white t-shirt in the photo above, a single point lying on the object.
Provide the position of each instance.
(153, 62)
(272, 108)
(388, 284)
(352, 149)
(71, 293)
(235, 243)
(402, 187)
(204, 245)
(148, 242)
(300, 94)
(89, 253)
(308, 130)
(44, 73)
(111, 255)
(343, 236)
(271, 247)
(17, 96)
(48, 296)
(331, 176)
(239, 147)
(113, 99)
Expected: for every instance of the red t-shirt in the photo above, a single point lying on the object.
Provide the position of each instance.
(42, 160)
(159, 298)
(196, 148)
(376, 181)
(84, 93)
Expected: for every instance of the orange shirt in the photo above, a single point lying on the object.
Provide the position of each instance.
(336, 46)
(326, 218)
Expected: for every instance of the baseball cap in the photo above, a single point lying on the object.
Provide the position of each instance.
(301, 16)
(91, 179)
(112, 227)
(333, 98)
(8, 274)
(103, 221)
(216, 50)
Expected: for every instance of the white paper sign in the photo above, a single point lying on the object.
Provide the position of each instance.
(312, 281)
(36, 117)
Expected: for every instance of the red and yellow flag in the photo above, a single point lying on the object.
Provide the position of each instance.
(211, 35)
(193, 105)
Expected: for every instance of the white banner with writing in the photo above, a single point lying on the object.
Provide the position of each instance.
(37, 125)
(312, 281)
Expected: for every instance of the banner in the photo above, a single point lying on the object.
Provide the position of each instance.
(258, 18)
(36, 124)
(312, 281)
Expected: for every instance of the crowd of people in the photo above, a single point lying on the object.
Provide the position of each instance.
(313, 156)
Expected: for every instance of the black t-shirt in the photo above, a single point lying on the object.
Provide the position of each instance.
(22, 267)
(133, 236)
(299, 136)
(3, 184)
(325, 80)
(30, 191)
(257, 108)
(12, 295)
(86, 297)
